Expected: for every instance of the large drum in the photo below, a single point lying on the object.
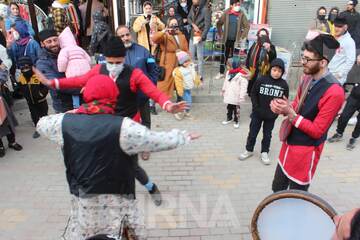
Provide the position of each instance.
(295, 215)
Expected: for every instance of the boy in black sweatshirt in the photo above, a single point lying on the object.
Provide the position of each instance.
(264, 90)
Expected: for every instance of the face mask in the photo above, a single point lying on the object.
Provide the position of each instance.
(263, 39)
(16, 35)
(332, 17)
(183, 4)
(237, 8)
(28, 73)
(321, 17)
(115, 69)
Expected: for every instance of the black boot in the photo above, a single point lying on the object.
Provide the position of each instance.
(156, 195)
(2, 151)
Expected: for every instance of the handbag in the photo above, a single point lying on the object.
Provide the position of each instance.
(286, 125)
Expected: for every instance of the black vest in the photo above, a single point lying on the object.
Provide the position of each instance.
(95, 163)
(310, 110)
(126, 105)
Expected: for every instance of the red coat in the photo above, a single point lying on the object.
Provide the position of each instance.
(299, 162)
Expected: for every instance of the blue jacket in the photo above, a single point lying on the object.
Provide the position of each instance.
(139, 57)
(32, 50)
(47, 64)
(12, 20)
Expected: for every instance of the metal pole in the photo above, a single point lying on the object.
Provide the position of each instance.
(33, 16)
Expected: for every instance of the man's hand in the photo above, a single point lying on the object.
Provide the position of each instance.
(176, 107)
(41, 77)
(281, 106)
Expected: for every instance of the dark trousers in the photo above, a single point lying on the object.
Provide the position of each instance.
(140, 173)
(229, 49)
(352, 105)
(38, 111)
(282, 182)
(145, 114)
(233, 110)
(10, 137)
(255, 125)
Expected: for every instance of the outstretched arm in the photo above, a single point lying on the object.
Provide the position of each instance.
(51, 127)
(135, 138)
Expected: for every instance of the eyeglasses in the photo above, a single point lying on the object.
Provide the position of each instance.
(305, 60)
(124, 35)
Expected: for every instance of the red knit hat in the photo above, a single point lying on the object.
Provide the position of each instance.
(100, 96)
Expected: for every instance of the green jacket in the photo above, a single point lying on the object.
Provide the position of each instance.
(243, 26)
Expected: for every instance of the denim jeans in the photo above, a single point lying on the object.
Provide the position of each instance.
(187, 98)
(198, 49)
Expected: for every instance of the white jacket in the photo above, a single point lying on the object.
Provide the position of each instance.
(234, 91)
(5, 57)
(344, 58)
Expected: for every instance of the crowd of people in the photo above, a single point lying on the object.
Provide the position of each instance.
(104, 87)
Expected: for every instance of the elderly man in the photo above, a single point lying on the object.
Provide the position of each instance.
(320, 98)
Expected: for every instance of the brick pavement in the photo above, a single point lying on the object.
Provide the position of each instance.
(208, 193)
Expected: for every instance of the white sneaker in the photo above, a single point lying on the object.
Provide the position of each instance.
(219, 76)
(265, 158)
(352, 121)
(236, 125)
(245, 155)
(226, 122)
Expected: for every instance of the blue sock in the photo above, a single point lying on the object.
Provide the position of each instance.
(149, 186)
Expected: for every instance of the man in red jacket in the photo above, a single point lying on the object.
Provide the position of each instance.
(300, 152)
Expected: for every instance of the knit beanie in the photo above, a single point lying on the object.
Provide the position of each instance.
(47, 33)
(182, 57)
(23, 61)
(278, 62)
(114, 48)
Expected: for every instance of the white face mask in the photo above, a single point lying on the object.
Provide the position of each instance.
(115, 69)
(183, 4)
(16, 35)
(237, 8)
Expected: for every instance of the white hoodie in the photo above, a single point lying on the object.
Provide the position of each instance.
(344, 58)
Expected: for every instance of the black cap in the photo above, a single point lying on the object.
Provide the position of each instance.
(278, 62)
(354, 2)
(25, 60)
(114, 48)
(340, 21)
(325, 45)
(47, 33)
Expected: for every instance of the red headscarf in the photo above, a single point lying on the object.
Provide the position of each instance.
(100, 96)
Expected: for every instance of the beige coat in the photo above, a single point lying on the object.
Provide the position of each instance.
(140, 28)
(168, 48)
(235, 91)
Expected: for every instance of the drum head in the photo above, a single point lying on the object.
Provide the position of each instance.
(294, 215)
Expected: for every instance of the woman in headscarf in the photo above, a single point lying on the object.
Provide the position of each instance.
(259, 57)
(320, 23)
(23, 44)
(101, 33)
(14, 17)
(170, 40)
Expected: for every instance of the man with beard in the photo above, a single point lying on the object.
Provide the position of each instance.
(319, 99)
(47, 64)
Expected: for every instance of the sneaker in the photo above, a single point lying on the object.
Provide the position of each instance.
(352, 121)
(2, 152)
(236, 125)
(219, 76)
(179, 116)
(156, 195)
(265, 158)
(36, 135)
(245, 155)
(15, 146)
(351, 144)
(188, 115)
(336, 138)
(226, 122)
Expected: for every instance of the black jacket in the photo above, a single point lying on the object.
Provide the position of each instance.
(353, 22)
(264, 90)
(33, 91)
(201, 18)
(355, 92)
